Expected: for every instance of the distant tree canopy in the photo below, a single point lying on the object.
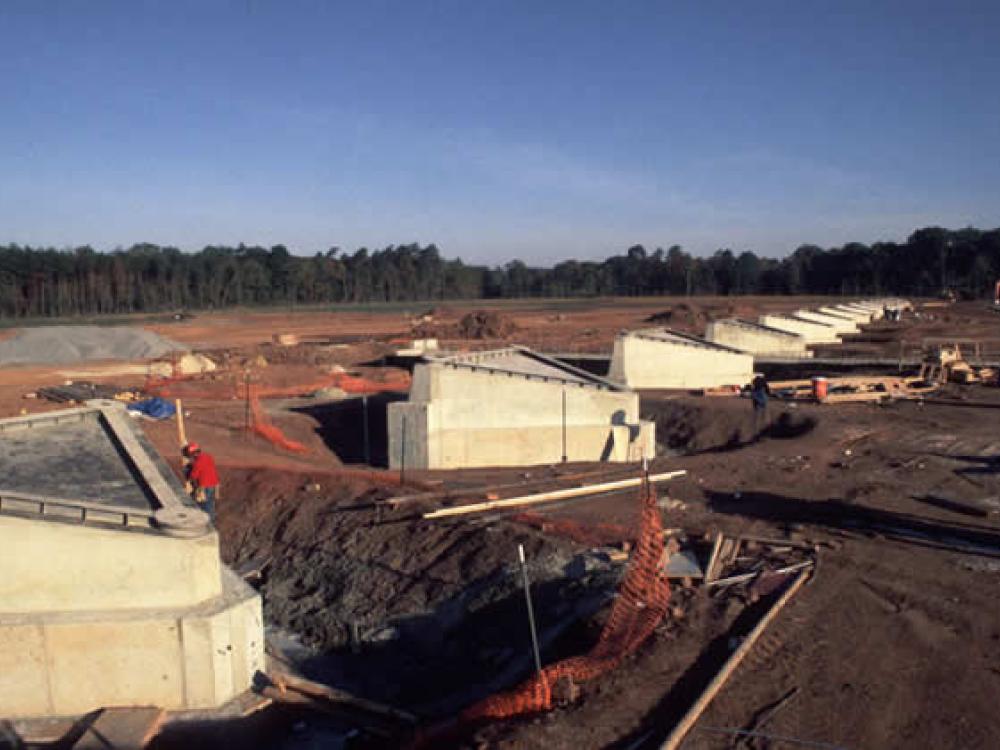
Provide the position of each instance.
(41, 282)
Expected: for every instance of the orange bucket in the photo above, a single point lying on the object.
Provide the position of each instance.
(820, 385)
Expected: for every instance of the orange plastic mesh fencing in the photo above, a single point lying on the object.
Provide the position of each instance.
(640, 606)
(586, 533)
(261, 425)
(186, 386)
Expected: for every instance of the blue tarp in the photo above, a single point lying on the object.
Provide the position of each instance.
(155, 408)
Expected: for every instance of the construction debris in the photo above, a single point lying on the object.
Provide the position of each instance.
(684, 726)
(80, 391)
(851, 389)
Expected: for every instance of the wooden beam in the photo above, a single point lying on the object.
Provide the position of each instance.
(181, 433)
(544, 497)
(484, 490)
(749, 576)
(283, 681)
(688, 720)
(710, 567)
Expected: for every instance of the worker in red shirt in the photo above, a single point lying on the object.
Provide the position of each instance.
(202, 478)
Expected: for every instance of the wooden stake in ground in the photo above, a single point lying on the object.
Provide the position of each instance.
(544, 497)
(693, 713)
(181, 433)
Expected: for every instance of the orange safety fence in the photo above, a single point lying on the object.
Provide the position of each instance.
(640, 606)
(260, 424)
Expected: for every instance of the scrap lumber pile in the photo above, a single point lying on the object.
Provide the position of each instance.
(852, 389)
(81, 391)
(757, 561)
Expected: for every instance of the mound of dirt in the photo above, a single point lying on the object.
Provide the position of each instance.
(421, 614)
(481, 324)
(63, 344)
(484, 324)
(683, 316)
(693, 426)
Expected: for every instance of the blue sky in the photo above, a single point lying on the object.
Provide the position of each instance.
(535, 130)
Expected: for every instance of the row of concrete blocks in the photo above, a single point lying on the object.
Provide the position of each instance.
(790, 335)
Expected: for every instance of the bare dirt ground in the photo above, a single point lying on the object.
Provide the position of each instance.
(894, 643)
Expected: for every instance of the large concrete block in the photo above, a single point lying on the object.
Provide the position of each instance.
(813, 332)
(59, 566)
(759, 340)
(111, 588)
(114, 663)
(512, 408)
(659, 358)
(72, 663)
(24, 673)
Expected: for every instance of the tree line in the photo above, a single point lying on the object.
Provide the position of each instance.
(49, 282)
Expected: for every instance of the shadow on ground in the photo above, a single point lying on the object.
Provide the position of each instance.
(839, 514)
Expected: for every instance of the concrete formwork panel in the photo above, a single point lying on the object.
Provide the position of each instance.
(813, 332)
(113, 592)
(759, 340)
(661, 358)
(841, 323)
(511, 408)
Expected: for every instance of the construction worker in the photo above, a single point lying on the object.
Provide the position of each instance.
(759, 391)
(202, 478)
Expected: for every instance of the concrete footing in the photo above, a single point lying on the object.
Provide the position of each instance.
(812, 331)
(112, 590)
(513, 407)
(661, 358)
(757, 339)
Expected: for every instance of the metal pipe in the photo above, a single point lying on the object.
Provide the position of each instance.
(531, 611)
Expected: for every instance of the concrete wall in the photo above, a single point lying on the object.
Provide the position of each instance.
(55, 566)
(457, 417)
(71, 663)
(639, 361)
(756, 339)
(814, 333)
(840, 323)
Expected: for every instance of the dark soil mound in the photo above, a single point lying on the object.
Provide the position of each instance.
(422, 614)
(690, 426)
(484, 324)
(683, 316)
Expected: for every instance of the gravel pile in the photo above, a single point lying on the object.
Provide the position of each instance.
(66, 344)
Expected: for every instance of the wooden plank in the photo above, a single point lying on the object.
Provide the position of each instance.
(284, 681)
(484, 490)
(694, 713)
(713, 557)
(122, 728)
(742, 577)
(544, 497)
(181, 432)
